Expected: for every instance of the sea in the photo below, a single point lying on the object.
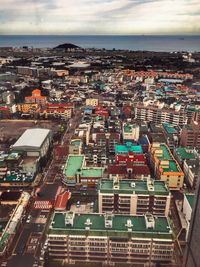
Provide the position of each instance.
(158, 43)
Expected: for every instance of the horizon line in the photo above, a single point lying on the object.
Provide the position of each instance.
(149, 34)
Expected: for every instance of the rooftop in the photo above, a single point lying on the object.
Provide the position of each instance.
(17, 178)
(76, 142)
(190, 199)
(133, 186)
(129, 127)
(73, 165)
(32, 138)
(185, 153)
(128, 147)
(167, 161)
(92, 172)
(118, 229)
(169, 128)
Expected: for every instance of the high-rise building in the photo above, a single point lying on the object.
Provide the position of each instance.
(192, 255)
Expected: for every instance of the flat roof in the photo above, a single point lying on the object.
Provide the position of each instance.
(126, 148)
(190, 199)
(140, 187)
(17, 178)
(167, 156)
(73, 164)
(75, 142)
(92, 172)
(169, 128)
(32, 138)
(184, 153)
(119, 227)
(128, 128)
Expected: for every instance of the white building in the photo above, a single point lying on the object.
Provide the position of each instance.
(35, 142)
(187, 209)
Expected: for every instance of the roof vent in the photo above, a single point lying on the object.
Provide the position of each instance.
(133, 185)
(108, 221)
(116, 183)
(149, 221)
(69, 218)
(129, 225)
(88, 222)
(150, 185)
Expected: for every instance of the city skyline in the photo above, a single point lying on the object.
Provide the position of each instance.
(100, 17)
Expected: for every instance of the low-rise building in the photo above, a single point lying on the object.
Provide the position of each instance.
(166, 168)
(189, 160)
(13, 211)
(110, 239)
(75, 146)
(34, 142)
(133, 197)
(130, 132)
(127, 147)
(171, 134)
(92, 102)
(76, 172)
(36, 97)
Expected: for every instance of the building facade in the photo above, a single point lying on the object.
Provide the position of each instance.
(110, 239)
(133, 197)
(166, 168)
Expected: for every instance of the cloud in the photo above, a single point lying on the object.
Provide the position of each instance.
(99, 16)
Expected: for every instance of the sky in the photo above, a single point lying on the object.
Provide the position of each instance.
(100, 17)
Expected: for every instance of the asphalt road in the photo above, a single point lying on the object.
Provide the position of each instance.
(22, 255)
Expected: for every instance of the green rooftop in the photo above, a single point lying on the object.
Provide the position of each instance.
(185, 153)
(133, 186)
(92, 172)
(17, 178)
(124, 149)
(166, 155)
(76, 142)
(190, 199)
(73, 165)
(173, 167)
(169, 128)
(193, 109)
(128, 128)
(118, 229)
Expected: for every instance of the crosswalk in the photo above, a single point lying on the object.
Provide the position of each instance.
(42, 205)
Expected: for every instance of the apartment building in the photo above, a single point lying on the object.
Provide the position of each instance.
(28, 108)
(133, 197)
(190, 135)
(159, 115)
(110, 239)
(76, 172)
(92, 102)
(64, 111)
(171, 134)
(75, 146)
(36, 97)
(189, 160)
(166, 168)
(130, 132)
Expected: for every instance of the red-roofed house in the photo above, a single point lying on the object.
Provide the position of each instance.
(36, 97)
(117, 170)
